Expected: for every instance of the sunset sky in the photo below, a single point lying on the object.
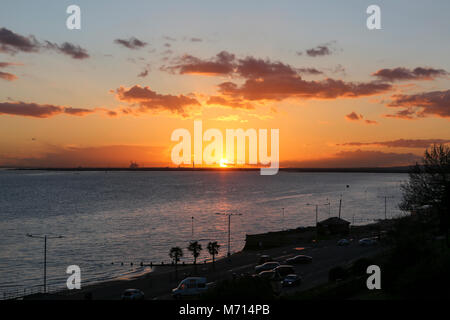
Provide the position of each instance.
(340, 94)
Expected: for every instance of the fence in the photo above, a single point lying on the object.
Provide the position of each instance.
(20, 292)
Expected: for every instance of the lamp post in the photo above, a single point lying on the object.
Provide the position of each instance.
(192, 224)
(282, 221)
(385, 204)
(45, 237)
(317, 209)
(229, 227)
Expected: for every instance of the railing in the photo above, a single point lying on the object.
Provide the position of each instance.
(20, 292)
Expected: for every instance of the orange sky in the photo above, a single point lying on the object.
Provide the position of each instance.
(344, 98)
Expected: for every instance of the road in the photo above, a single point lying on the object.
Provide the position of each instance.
(159, 284)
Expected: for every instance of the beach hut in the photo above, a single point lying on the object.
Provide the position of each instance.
(333, 225)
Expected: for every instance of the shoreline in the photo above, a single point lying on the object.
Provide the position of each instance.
(403, 169)
(157, 283)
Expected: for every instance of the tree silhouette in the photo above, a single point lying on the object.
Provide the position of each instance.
(195, 248)
(176, 253)
(429, 185)
(213, 249)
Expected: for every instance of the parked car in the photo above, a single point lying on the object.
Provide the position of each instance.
(299, 259)
(343, 242)
(132, 294)
(190, 286)
(270, 275)
(264, 258)
(292, 280)
(266, 266)
(366, 242)
(284, 270)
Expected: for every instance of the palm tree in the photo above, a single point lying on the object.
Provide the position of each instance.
(176, 253)
(195, 248)
(213, 249)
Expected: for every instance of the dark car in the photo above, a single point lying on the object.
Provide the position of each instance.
(284, 270)
(266, 266)
(264, 258)
(367, 242)
(133, 294)
(270, 275)
(300, 259)
(292, 280)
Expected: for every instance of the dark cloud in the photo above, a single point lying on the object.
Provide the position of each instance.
(253, 68)
(143, 74)
(283, 87)
(359, 159)
(221, 64)
(149, 100)
(196, 39)
(318, 51)
(225, 63)
(74, 51)
(312, 71)
(7, 76)
(270, 80)
(353, 116)
(19, 108)
(7, 64)
(77, 111)
(29, 109)
(321, 50)
(400, 143)
(399, 74)
(11, 42)
(435, 103)
(131, 43)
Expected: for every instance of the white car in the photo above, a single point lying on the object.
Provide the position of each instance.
(365, 242)
(133, 294)
(191, 286)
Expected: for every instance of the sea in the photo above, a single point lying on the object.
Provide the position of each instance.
(111, 221)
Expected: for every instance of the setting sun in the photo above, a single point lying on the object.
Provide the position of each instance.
(223, 163)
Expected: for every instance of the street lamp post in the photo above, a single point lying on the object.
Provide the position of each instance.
(385, 205)
(317, 209)
(229, 227)
(45, 237)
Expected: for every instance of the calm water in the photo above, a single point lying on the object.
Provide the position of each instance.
(128, 217)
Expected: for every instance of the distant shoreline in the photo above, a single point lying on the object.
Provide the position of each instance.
(404, 169)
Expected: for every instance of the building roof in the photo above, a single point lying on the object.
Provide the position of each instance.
(333, 220)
